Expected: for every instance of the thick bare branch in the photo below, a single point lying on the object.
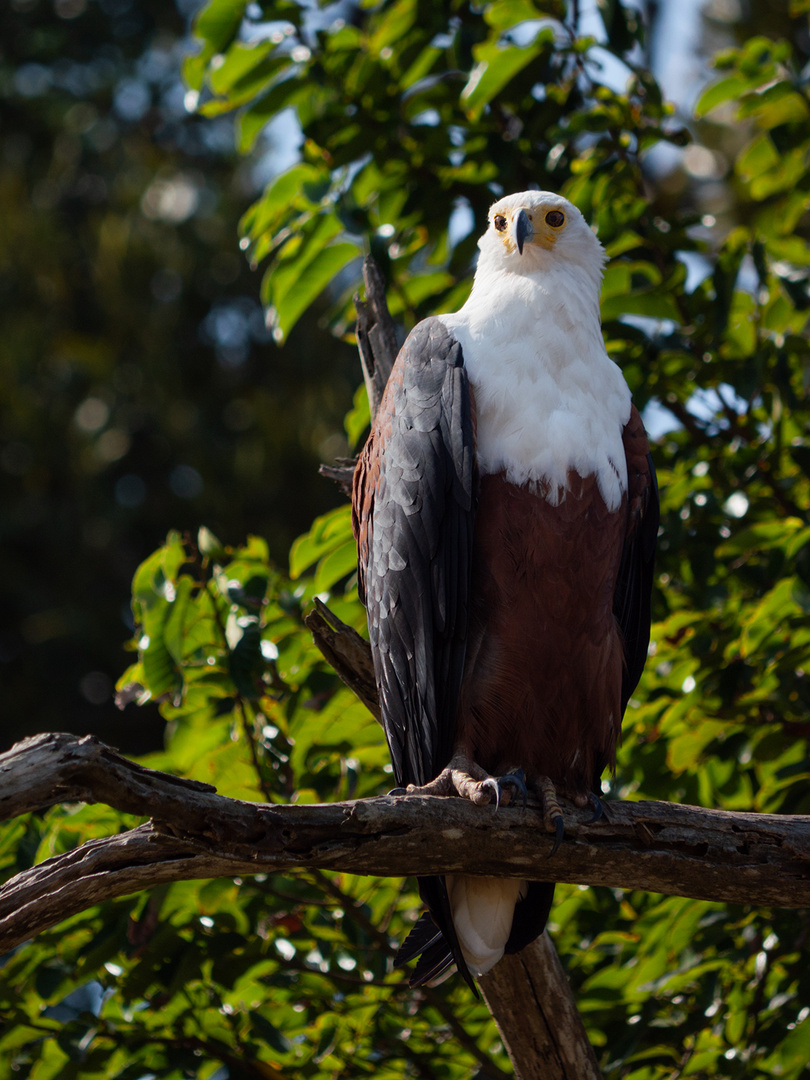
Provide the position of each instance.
(529, 996)
(376, 334)
(195, 833)
(347, 652)
(54, 768)
(377, 344)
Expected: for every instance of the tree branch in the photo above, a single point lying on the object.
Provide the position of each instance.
(542, 1030)
(347, 652)
(377, 344)
(195, 833)
(376, 334)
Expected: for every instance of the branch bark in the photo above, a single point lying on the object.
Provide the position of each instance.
(376, 334)
(195, 833)
(347, 652)
(542, 1029)
(377, 344)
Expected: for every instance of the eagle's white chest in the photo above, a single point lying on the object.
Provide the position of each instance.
(548, 397)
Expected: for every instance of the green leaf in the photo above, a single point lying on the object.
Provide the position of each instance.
(246, 72)
(421, 67)
(274, 206)
(218, 23)
(507, 13)
(240, 61)
(393, 25)
(335, 566)
(775, 105)
(312, 275)
(264, 1030)
(246, 663)
(726, 89)
(328, 534)
(358, 418)
(495, 68)
(652, 303)
(250, 122)
(153, 582)
(757, 158)
(175, 625)
(209, 544)
(161, 675)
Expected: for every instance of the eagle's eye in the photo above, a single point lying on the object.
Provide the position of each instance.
(555, 218)
(500, 222)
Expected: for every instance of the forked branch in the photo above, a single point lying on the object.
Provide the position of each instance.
(195, 833)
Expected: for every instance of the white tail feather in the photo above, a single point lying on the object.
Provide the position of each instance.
(482, 909)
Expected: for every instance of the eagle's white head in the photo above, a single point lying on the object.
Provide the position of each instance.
(548, 397)
(536, 231)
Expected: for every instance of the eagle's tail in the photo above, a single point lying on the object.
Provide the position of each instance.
(488, 917)
(434, 937)
(430, 945)
(483, 909)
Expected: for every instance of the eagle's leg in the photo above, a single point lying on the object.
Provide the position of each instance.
(552, 815)
(463, 777)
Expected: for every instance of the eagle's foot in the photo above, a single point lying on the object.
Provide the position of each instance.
(473, 783)
(464, 778)
(461, 777)
(516, 780)
(552, 815)
(441, 785)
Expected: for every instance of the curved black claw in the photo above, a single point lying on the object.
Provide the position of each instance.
(598, 808)
(397, 791)
(517, 780)
(559, 833)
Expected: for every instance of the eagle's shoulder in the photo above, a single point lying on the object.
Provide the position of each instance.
(430, 345)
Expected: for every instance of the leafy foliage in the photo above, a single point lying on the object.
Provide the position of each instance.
(409, 111)
(139, 386)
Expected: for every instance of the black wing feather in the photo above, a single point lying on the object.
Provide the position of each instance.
(415, 533)
(420, 551)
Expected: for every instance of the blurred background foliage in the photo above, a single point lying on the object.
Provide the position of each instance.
(405, 119)
(138, 386)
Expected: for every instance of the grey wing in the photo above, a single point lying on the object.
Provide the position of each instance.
(414, 508)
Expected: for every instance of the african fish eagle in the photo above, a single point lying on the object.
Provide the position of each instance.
(506, 512)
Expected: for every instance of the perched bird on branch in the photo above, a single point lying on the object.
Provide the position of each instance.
(506, 512)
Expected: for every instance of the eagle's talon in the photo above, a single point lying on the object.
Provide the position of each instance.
(598, 808)
(397, 791)
(494, 785)
(559, 833)
(517, 780)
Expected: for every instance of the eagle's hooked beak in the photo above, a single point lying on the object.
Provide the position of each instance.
(522, 229)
